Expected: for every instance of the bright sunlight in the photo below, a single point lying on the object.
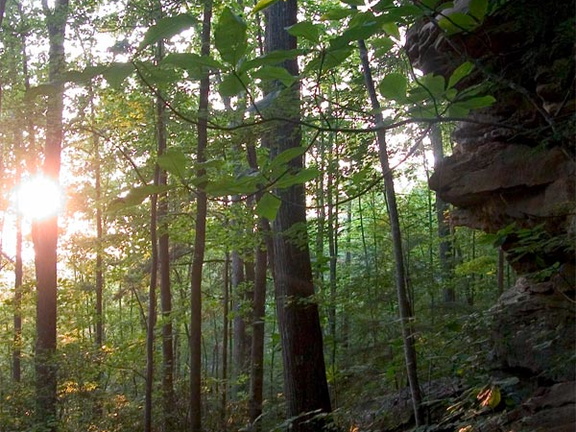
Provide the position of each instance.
(38, 197)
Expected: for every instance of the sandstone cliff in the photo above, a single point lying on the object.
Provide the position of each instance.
(513, 172)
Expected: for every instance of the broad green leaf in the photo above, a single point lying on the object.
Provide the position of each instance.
(197, 66)
(391, 28)
(459, 73)
(116, 73)
(268, 206)
(232, 84)
(136, 196)
(353, 2)
(354, 33)
(382, 45)
(306, 30)
(478, 9)
(424, 111)
(393, 86)
(337, 14)
(329, 59)
(262, 4)
(462, 108)
(457, 22)
(231, 185)
(409, 11)
(286, 156)
(383, 5)
(478, 102)
(418, 94)
(85, 76)
(303, 176)
(270, 73)
(173, 161)
(230, 37)
(434, 84)
(274, 58)
(166, 28)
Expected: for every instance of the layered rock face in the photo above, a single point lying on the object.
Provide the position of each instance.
(513, 170)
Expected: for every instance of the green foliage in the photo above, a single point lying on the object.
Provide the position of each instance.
(230, 37)
(167, 27)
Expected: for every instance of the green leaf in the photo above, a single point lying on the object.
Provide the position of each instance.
(391, 28)
(269, 73)
(273, 58)
(382, 45)
(353, 2)
(329, 59)
(306, 30)
(116, 73)
(434, 84)
(268, 206)
(173, 161)
(355, 33)
(478, 102)
(286, 156)
(301, 177)
(232, 84)
(459, 73)
(462, 108)
(337, 14)
(166, 28)
(393, 86)
(478, 9)
(230, 37)
(85, 76)
(191, 61)
(457, 22)
(136, 196)
(230, 185)
(262, 4)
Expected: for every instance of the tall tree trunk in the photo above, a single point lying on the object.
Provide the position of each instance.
(18, 265)
(151, 324)
(18, 276)
(200, 238)
(168, 398)
(445, 246)
(305, 382)
(401, 286)
(45, 232)
(225, 331)
(258, 312)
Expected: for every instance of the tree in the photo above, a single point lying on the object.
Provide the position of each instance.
(200, 235)
(45, 232)
(400, 273)
(298, 317)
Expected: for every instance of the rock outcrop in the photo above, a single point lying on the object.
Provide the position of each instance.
(513, 172)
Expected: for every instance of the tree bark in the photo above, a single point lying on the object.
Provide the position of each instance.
(401, 286)
(45, 232)
(168, 397)
(200, 238)
(305, 382)
(258, 312)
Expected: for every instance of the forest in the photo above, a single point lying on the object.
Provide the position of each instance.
(282, 215)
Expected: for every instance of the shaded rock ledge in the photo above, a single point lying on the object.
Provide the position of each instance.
(514, 168)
